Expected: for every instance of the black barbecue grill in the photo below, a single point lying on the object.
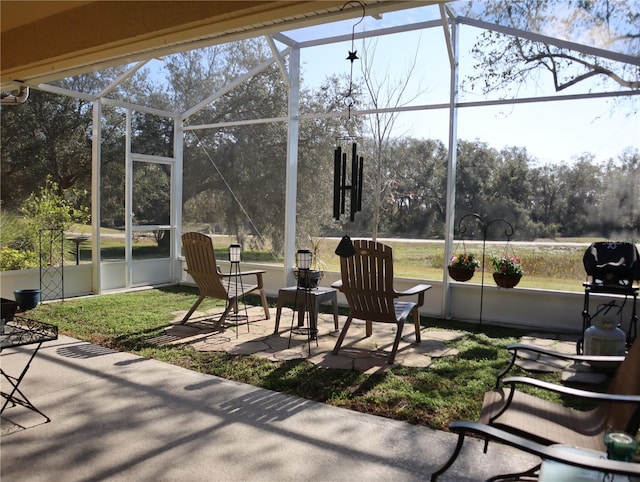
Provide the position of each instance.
(612, 268)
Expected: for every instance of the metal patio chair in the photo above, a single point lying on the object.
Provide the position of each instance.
(537, 426)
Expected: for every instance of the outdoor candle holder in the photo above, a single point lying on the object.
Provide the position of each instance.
(620, 446)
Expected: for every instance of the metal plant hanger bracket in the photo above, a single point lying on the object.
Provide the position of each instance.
(353, 56)
(462, 229)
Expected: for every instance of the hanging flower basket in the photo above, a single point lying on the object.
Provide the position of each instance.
(462, 266)
(506, 280)
(508, 270)
(461, 274)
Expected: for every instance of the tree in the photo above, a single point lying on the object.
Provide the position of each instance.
(47, 213)
(505, 62)
(316, 144)
(477, 163)
(54, 207)
(581, 186)
(49, 135)
(545, 198)
(235, 173)
(619, 212)
(415, 205)
(383, 92)
(510, 191)
(112, 168)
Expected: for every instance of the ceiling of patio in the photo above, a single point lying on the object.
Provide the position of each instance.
(50, 40)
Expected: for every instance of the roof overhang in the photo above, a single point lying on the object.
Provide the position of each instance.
(49, 40)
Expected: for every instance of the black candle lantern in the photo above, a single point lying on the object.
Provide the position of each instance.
(304, 259)
(234, 253)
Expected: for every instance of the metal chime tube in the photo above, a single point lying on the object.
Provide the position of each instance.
(343, 184)
(336, 183)
(360, 175)
(354, 182)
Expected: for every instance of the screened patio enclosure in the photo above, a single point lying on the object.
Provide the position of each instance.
(165, 164)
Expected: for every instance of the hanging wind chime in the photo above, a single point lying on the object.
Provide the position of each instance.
(343, 183)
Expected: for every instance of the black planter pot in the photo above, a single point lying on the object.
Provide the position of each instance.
(309, 279)
(27, 299)
(460, 274)
(506, 280)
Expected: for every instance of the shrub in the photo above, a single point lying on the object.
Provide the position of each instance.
(16, 246)
(53, 208)
(13, 259)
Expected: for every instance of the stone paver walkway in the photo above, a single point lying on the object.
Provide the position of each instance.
(360, 353)
(573, 373)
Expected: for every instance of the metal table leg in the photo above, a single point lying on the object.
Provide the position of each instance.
(17, 397)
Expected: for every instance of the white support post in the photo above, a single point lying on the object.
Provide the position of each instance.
(451, 173)
(292, 167)
(128, 200)
(96, 153)
(176, 198)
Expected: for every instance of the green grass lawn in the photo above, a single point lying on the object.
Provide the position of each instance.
(552, 266)
(547, 266)
(451, 389)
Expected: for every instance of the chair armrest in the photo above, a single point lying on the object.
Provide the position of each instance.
(244, 273)
(252, 272)
(256, 272)
(555, 453)
(575, 392)
(415, 290)
(613, 360)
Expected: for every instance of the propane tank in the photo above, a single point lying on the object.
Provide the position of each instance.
(604, 338)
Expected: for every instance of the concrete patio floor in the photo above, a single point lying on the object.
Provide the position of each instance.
(118, 416)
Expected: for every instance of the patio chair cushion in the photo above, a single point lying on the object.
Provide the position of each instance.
(544, 421)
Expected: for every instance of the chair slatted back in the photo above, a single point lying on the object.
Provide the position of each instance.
(367, 282)
(201, 265)
(626, 381)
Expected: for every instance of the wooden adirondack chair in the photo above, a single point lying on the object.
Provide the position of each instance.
(367, 283)
(202, 267)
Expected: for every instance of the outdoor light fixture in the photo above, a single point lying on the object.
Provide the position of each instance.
(234, 253)
(304, 259)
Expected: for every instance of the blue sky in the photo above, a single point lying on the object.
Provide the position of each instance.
(550, 131)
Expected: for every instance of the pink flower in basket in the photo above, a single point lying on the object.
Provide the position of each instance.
(506, 264)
